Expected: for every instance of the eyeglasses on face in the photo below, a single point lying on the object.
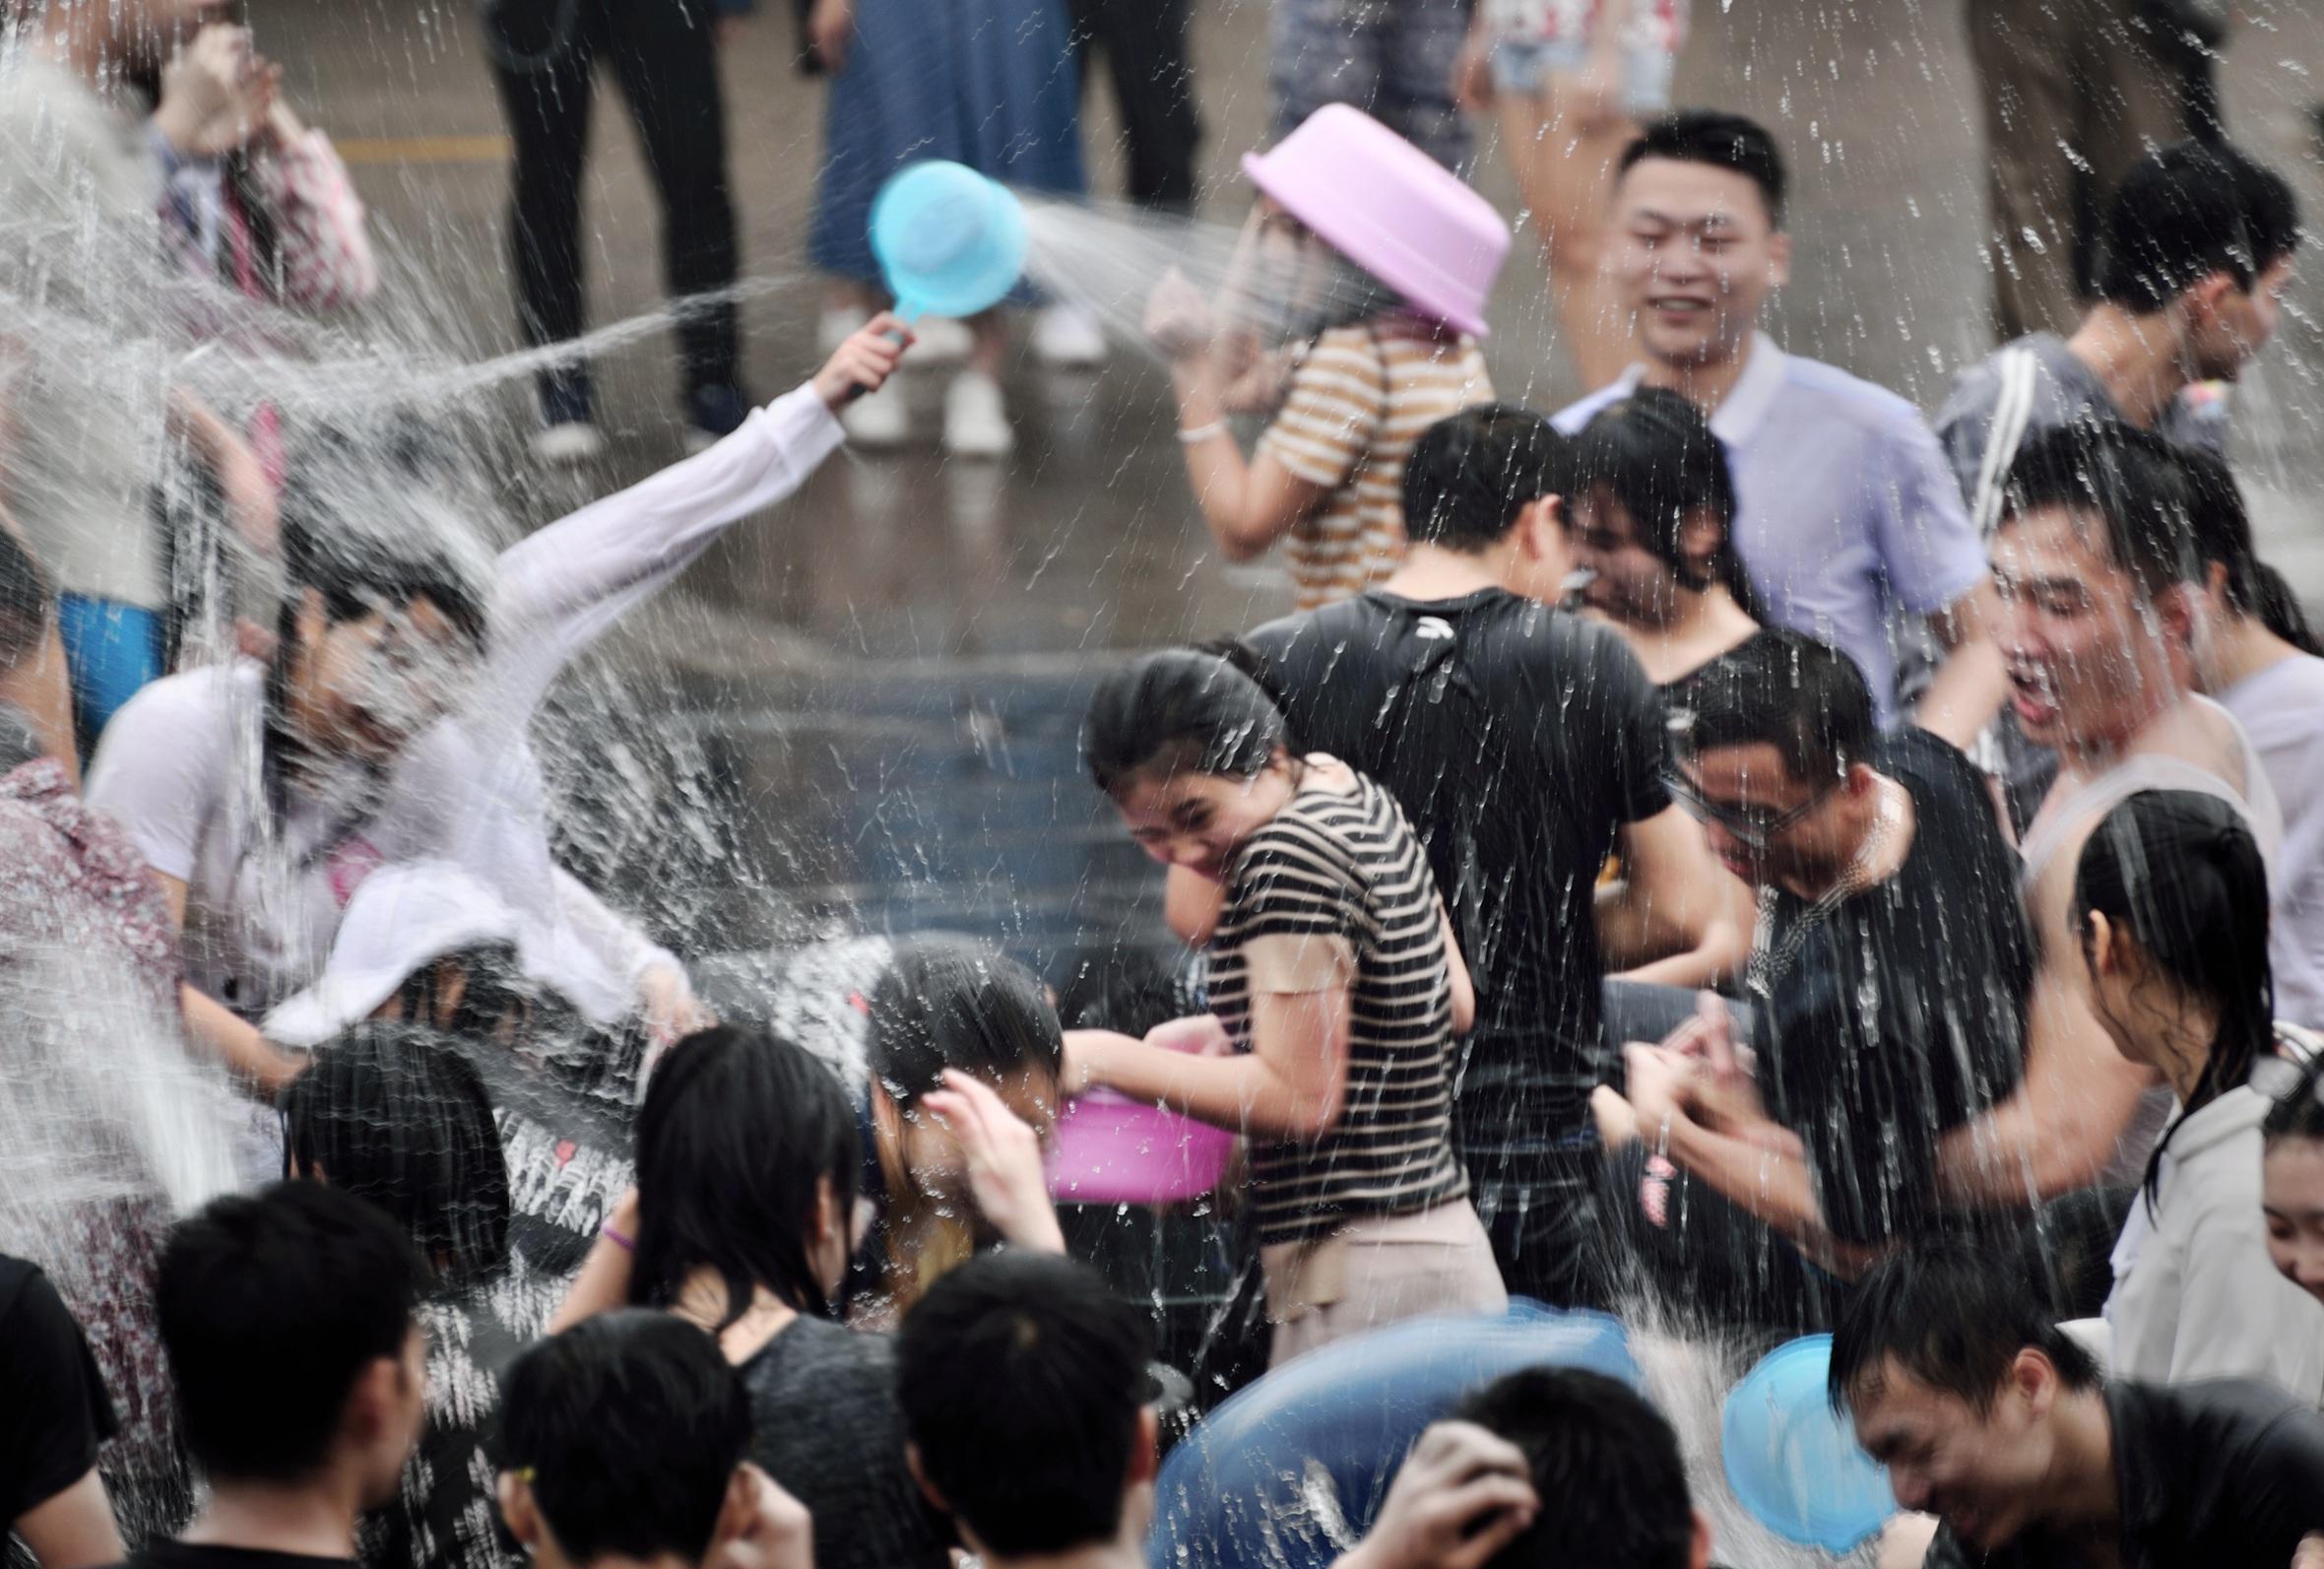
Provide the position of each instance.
(1752, 825)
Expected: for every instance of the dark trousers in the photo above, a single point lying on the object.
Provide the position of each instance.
(1144, 43)
(665, 56)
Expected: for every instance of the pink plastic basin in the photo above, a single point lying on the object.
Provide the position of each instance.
(1390, 209)
(1112, 1150)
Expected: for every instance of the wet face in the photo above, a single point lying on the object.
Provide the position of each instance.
(2084, 647)
(1695, 255)
(1198, 821)
(2292, 1196)
(364, 687)
(2235, 326)
(1627, 582)
(1983, 1474)
(1765, 823)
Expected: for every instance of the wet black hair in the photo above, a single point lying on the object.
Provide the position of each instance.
(1721, 139)
(2180, 872)
(1784, 689)
(27, 600)
(1604, 1463)
(2185, 212)
(1657, 458)
(270, 1305)
(631, 1427)
(948, 1002)
(739, 1133)
(1473, 472)
(1176, 712)
(2138, 484)
(1954, 1313)
(1021, 1378)
(395, 1114)
(2300, 1113)
(2223, 537)
(494, 991)
(1130, 988)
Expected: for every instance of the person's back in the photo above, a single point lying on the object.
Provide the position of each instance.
(1402, 376)
(824, 1423)
(1024, 1389)
(396, 1115)
(288, 1319)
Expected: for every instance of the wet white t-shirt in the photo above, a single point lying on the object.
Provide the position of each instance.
(2282, 710)
(181, 767)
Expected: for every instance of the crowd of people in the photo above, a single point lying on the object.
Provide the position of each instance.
(1736, 853)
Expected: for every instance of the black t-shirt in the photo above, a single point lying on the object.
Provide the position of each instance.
(53, 1409)
(1901, 1012)
(2208, 1475)
(163, 1553)
(1518, 738)
(826, 1426)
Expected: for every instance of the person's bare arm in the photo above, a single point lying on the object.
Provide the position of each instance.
(40, 683)
(1676, 917)
(1464, 989)
(241, 478)
(603, 1283)
(1248, 506)
(74, 1529)
(1291, 1085)
(230, 1038)
(2078, 1095)
(1970, 684)
(1191, 905)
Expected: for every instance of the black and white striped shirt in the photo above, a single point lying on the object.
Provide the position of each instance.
(1337, 888)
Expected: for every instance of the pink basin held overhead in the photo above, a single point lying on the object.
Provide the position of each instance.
(1390, 209)
(1112, 1150)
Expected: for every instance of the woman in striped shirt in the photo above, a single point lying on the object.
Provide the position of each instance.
(1335, 975)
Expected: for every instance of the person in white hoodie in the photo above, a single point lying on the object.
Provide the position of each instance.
(2170, 904)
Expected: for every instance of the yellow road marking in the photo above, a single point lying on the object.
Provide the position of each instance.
(422, 148)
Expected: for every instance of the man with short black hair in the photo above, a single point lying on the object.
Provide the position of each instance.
(1525, 746)
(288, 1319)
(1890, 972)
(2200, 245)
(1847, 518)
(1992, 1418)
(622, 1445)
(1023, 1383)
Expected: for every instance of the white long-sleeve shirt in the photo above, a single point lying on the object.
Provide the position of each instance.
(2196, 1295)
(180, 764)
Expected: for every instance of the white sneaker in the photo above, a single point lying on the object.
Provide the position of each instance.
(837, 325)
(575, 441)
(940, 340)
(879, 419)
(976, 420)
(1068, 336)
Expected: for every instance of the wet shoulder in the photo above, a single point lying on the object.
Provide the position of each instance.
(815, 1353)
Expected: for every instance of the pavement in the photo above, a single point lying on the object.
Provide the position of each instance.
(860, 709)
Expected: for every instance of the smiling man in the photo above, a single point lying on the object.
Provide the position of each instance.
(1889, 970)
(1848, 517)
(1991, 1418)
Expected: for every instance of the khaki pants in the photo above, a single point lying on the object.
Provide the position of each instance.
(1376, 1270)
(2074, 92)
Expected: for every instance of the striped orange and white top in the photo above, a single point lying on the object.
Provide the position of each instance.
(1357, 405)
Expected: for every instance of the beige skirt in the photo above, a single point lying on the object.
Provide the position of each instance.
(1376, 1270)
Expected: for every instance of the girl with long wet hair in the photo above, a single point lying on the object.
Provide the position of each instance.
(2170, 902)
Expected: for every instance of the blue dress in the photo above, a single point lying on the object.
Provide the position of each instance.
(992, 84)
